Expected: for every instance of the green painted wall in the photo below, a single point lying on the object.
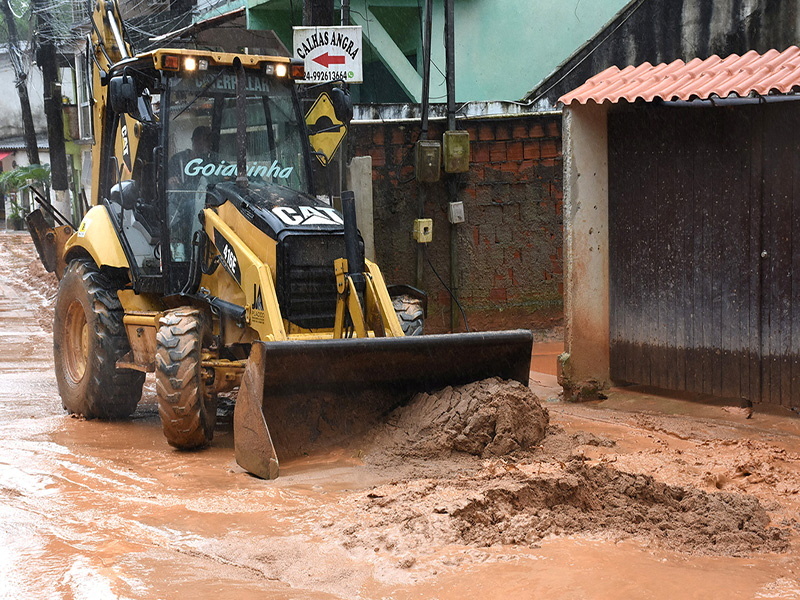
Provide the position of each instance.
(504, 48)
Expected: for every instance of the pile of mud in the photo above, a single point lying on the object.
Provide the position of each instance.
(528, 486)
(523, 504)
(487, 418)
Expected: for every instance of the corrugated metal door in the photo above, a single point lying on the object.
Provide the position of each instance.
(704, 211)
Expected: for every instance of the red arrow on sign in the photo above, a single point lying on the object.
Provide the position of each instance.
(326, 60)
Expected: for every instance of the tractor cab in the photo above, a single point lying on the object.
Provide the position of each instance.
(177, 134)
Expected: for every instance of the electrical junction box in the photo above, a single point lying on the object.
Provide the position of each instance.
(428, 161)
(455, 212)
(423, 230)
(456, 151)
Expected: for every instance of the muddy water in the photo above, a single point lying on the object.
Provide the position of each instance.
(107, 510)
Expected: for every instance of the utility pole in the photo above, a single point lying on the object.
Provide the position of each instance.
(320, 13)
(15, 53)
(452, 183)
(317, 12)
(47, 59)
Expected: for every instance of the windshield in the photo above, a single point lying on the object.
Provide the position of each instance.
(202, 146)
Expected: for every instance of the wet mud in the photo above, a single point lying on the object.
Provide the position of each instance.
(492, 492)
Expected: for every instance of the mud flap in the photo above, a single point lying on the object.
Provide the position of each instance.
(302, 386)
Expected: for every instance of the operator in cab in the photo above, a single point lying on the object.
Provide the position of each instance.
(201, 149)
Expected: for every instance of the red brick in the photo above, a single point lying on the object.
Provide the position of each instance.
(399, 155)
(498, 295)
(509, 167)
(531, 151)
(476, 236)
(553, 130)
(378, 157)
(502, 132)
(520, 131)
(485, 132)
(549, 149)
(549, 162)
(378, 137)
(398, 136)
(497, 153)
(537, 131)
(480, 153)
(514, 150)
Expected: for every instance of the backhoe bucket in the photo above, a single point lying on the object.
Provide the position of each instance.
(320, 392)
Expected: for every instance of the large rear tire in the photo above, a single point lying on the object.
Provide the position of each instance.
(411, 314)
(88, 339)
(188, 411)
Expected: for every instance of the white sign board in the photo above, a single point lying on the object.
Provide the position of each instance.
(329, 53)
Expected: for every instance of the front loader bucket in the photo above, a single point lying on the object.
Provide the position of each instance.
(312, 392)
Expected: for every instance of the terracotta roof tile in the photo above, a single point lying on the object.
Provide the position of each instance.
(763, 74)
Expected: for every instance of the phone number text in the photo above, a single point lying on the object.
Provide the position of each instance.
(328, 75)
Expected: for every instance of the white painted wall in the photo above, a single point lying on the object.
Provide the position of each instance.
(10, 112)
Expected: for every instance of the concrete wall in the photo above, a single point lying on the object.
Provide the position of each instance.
(510, 246)
(585, 364)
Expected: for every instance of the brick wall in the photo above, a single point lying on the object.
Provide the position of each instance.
(510, 246)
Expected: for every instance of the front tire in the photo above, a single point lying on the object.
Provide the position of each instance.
(410, 312)
(88, 340)
(187, 409)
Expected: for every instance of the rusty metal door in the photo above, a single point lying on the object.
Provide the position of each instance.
(704, 215)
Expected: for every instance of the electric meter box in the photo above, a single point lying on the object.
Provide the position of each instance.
(428, 163)
(456, 151)
(455, 212)
(423, 230)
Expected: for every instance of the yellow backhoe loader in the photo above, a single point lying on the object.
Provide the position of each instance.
(207, 258)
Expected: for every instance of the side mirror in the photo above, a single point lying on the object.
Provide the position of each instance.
(125, 100)
(122, 94)
(342, 104)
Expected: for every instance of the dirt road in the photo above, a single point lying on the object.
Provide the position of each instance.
(638, 496)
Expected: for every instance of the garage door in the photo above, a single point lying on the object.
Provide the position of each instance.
(704, 212)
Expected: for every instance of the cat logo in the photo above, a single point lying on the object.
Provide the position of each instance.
(126, 146)
(308, 215)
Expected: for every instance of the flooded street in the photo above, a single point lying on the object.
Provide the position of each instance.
(102, 510)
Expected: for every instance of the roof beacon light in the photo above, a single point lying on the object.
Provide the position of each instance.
(281, 70)
(190, 63)
(298, 69)
(170, 62)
